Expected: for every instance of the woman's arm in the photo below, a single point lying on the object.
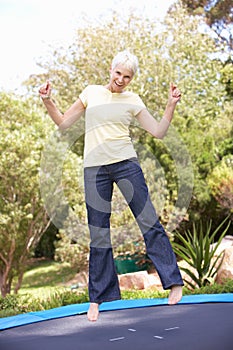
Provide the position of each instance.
(65, 120)
(155, 128)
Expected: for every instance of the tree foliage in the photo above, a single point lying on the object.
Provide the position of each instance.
(221, 182)
(23, 219)
(26, 134)
(218, 15)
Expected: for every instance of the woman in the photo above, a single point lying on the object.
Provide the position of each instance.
(109, 157)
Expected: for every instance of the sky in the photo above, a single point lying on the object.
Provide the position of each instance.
(30, 27)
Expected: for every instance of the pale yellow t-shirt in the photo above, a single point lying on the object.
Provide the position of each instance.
(107, 119)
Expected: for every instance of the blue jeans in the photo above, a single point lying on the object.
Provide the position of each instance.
(99, 180)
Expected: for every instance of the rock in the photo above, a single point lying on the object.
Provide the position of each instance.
(154, 281)
(226, 242)
(133, 280)
(139, 280)
(79, 281)
(226, 269)
(185, 276)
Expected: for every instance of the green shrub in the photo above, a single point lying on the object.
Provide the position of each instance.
(9, 302)
(14, 304)
(17, 304)
(75, 254)
(226, 287)
(62, 298)
(143, 294)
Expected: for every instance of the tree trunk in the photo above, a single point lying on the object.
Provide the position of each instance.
(5, 286)
(5, 273)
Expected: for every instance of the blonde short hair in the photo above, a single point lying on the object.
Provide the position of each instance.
(127, 59)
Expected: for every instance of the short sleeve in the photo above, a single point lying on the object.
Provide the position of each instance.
(84, 97)
(138, 104)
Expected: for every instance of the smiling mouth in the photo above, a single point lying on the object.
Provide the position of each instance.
(119, 84)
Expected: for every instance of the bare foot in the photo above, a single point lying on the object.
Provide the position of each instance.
(93, 312)
(175, 295)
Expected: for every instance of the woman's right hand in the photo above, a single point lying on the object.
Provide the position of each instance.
(45, 90)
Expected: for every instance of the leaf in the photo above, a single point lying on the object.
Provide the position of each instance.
(192, 275)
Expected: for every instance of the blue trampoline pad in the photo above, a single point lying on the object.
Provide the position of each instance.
(197, 322)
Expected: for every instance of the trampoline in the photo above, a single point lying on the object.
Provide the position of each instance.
(198, 322)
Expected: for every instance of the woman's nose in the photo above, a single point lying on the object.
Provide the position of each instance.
(120, 78)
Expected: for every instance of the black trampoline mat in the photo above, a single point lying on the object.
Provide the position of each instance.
(185, 327)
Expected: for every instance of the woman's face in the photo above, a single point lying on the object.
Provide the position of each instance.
(120, 77)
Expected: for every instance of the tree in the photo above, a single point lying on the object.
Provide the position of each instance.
(26, 134)
(22, 216)
(218, 15)
(227, 79)
(221, 182)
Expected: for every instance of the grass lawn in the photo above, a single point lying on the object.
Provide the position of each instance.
(45, 277)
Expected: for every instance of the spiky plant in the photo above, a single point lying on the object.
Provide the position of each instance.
(197, 248)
